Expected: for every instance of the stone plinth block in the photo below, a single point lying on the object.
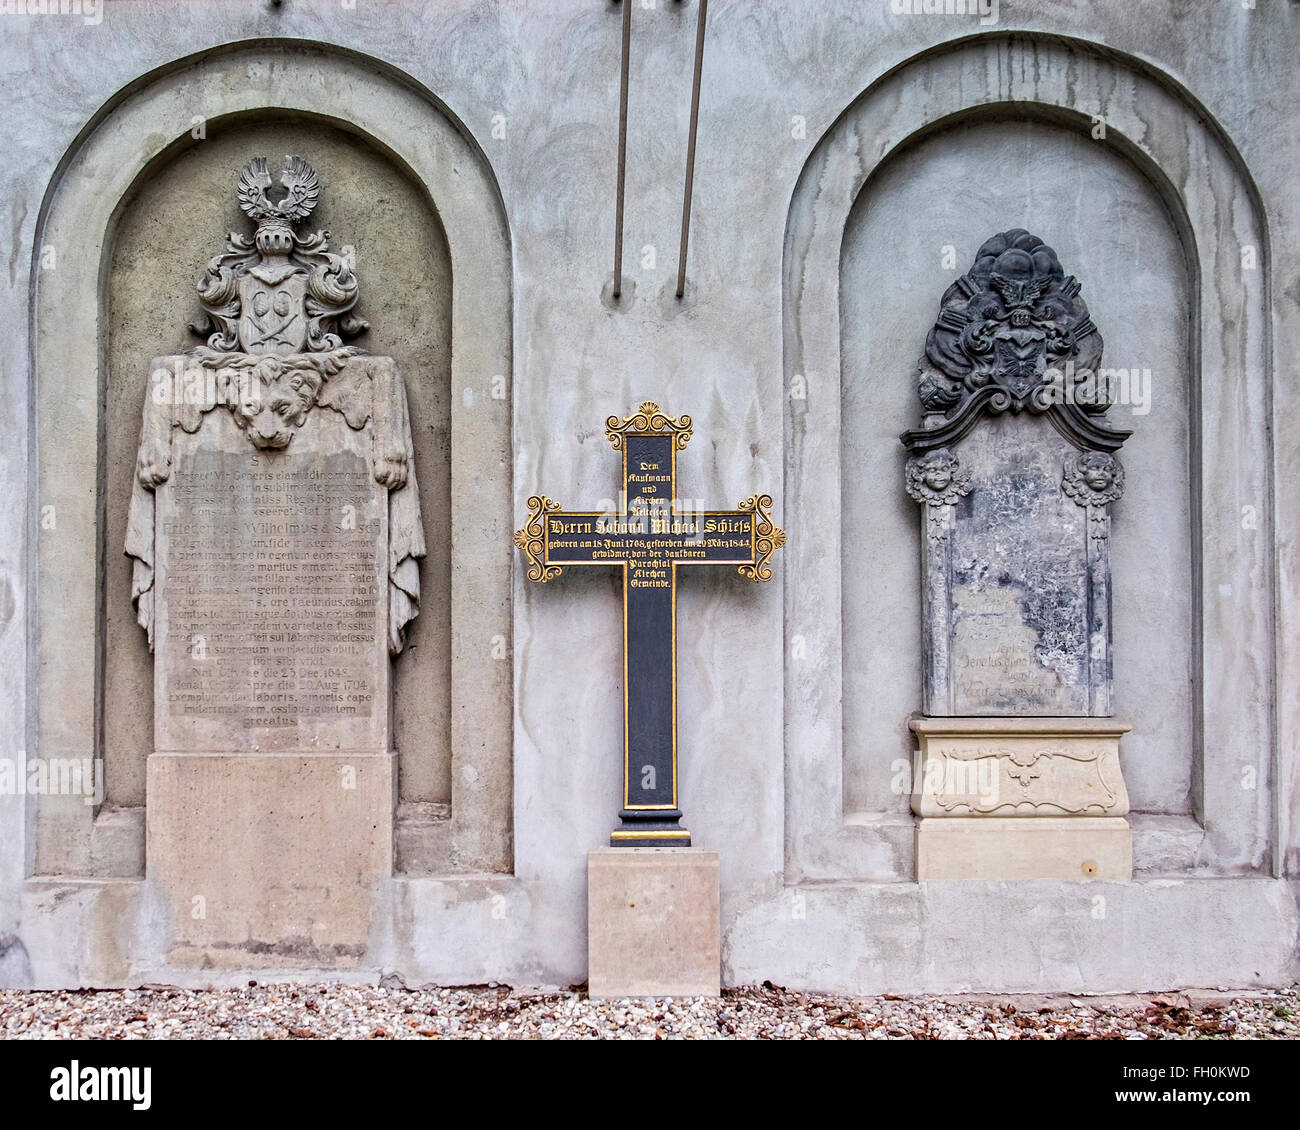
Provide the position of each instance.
(270, 860)
(1018, 767)
(1020, 798)
(652, 922)
(1054, 847)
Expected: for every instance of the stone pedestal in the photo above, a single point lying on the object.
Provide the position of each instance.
(1020, 798)
(270, 860)
(652, 923)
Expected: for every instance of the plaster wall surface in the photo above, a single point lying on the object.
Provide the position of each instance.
(533, 88)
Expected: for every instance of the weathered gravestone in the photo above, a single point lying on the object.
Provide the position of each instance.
(1015, 471)
(275, 527)
(653, 912)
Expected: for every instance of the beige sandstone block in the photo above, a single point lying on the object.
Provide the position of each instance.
(270, 860)
(1008, 848)
(1019, 767)
(652, 922)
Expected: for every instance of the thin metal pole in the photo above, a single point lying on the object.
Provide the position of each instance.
(690, 146)
(622, 149)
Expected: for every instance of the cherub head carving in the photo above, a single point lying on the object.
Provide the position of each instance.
(1093, 478)
(937, 477)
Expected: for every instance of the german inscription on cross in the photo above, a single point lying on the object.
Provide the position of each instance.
(649, 537)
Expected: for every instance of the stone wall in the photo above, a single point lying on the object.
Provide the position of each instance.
(843, 147)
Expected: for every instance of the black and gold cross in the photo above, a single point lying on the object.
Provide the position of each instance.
(650, 538)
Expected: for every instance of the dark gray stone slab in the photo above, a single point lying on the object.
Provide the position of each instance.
(1014, 469)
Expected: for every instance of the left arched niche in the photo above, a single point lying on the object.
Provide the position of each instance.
(174, 219)
(133, 213)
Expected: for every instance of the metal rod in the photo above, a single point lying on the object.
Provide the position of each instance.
(690, 147)
(622, 149)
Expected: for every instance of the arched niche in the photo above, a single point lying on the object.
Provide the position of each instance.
(914, 227)
(846, 819)
(139, 205)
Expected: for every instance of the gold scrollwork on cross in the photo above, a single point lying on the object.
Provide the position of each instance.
(648, 420)
(768, 537)
(532, 539)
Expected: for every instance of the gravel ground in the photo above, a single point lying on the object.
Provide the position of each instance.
(303, 1011)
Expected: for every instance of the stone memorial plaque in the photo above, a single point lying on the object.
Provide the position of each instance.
(1018, 579)
(275, 530)
(1014, 467)
(270, 598)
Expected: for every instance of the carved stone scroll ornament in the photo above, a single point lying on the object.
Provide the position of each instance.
(1027, 768)
(278, 303)
(1005, 330)
(1066, 779)
(278, 292)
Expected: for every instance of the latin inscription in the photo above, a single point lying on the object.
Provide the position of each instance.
(272, 588)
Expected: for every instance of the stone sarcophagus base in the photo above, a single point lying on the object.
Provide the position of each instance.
(1021, 798)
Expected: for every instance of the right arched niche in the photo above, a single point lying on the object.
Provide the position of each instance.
(913, 230)
(1157, 218)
